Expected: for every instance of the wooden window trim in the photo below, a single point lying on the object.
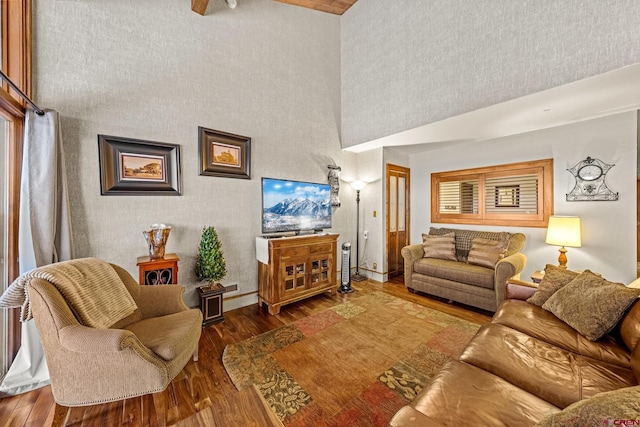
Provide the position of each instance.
(544, 170)
(16, 63)
(16, 45)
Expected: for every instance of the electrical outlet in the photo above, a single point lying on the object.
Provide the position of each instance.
(366, 234)
(375, 265)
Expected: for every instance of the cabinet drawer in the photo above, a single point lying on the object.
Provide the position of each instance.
(323, 247)
(295, 251)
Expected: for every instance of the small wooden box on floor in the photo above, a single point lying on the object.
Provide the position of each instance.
(163, 271)
(298, 267)
(211, 303)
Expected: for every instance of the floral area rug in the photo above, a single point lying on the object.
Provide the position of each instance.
(354, 364)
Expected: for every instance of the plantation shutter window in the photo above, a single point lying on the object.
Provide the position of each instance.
(518, 194)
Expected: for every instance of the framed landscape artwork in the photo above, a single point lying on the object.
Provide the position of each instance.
(136, 167)
(224, 154)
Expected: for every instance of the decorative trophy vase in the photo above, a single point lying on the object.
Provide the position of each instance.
(156, 237)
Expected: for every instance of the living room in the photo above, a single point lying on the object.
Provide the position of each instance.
(309, 88)
(158, 72)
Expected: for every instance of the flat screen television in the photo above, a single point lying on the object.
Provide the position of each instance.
(295, 206)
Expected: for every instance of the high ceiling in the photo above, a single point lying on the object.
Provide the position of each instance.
(337, 7)
(609, 93)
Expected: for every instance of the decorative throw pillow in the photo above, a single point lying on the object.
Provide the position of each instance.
(591, 305)
(601, 409)
(486, 252)
(441, 247)
(554, 279)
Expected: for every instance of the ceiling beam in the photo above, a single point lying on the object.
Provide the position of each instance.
(199, 6)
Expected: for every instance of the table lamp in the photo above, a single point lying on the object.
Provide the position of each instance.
(563, 231)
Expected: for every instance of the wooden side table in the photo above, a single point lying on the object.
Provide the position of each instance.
(162, 271)
(537, 276)
(211, 303)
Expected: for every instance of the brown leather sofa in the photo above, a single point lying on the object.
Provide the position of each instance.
(525, 365)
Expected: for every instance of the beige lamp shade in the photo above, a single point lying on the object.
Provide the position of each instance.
(564, 231)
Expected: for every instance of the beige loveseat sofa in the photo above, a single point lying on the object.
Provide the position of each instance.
(454, 278)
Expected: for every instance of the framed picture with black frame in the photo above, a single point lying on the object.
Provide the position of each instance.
(137, 167)
(224, 154)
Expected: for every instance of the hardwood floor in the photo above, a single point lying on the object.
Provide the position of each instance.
(202, 394)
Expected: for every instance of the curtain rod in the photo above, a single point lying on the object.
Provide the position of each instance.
(4, 77)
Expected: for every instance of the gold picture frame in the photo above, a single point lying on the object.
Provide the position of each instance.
(224, 154)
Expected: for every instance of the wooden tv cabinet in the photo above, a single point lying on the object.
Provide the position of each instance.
(298, 267)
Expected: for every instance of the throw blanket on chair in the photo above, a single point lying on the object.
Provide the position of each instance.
(91, 287)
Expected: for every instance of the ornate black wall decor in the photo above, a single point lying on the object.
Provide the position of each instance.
(590, 181)
(334, 182)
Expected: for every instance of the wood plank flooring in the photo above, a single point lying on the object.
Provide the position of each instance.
(202, 394)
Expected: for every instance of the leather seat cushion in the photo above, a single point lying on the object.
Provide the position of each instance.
(464, 394)
(549, 372)
(456, 271)
(543, 325)
(168, 335)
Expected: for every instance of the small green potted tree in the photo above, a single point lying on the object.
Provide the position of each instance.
(210, 264)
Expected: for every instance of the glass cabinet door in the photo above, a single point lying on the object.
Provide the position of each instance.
(320, 270)
(294, 275)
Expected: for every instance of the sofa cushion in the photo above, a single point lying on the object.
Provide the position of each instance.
(622, 404)
(543, 325)
(456, 271)
(486, 253)
(440, 247)
(549, 372)
(462, 393)
(177, 330)
(580, 304)
(464, 240)
(554, 279)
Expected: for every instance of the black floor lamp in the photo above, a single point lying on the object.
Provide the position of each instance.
(358, 185)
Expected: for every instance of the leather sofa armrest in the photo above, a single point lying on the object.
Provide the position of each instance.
(408, 416)
(410, 254)
(519, 289)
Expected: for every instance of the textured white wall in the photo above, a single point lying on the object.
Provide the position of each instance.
(154, 70)
(408, 63)
(608, 228)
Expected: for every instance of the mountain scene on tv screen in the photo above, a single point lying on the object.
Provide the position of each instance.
(297, 214)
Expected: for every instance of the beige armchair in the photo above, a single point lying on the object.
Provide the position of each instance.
(139, 354)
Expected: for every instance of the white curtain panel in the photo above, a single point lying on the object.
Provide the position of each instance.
(44, 234)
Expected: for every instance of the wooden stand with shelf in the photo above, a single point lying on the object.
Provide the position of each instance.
(163, 271)
(298, 267)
